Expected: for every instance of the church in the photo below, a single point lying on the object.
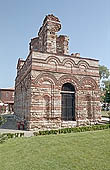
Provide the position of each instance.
(54, 89)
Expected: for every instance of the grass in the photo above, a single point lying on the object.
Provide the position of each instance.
(75, 151)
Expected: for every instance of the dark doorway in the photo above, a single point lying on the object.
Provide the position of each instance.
(68, 102)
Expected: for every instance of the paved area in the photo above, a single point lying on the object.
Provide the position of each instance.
(26, 133)
(10, 122)
(10, 126)
(105, 119)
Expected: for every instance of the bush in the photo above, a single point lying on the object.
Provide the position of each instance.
(36, 133)
(21, 134)
(2, 120)
(3, 138)
(6, 136)
(73, 130)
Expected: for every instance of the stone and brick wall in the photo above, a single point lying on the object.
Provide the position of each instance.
(40, 79)
(7, 98)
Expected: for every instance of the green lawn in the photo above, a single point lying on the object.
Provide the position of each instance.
(75, 151)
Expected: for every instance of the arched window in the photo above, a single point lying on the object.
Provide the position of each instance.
(68, 102)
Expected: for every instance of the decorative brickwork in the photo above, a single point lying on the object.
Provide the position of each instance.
(49, 67)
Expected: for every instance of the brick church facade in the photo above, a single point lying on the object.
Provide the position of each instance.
(54, 89)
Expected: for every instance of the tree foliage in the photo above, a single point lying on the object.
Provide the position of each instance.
(2, 120)
(104, 75)
(107, 91)
(103, 72)
(107, 84)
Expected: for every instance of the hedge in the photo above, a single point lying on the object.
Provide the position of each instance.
(6, 136)
(73, 130)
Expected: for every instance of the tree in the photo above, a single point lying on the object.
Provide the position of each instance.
(105, 84)
(103, 72)
(107, 91)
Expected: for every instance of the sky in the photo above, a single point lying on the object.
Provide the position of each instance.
(86, 22)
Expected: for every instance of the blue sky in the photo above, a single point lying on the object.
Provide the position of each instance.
(86, 22)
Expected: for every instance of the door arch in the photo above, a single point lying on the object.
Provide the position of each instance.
(68, 102)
